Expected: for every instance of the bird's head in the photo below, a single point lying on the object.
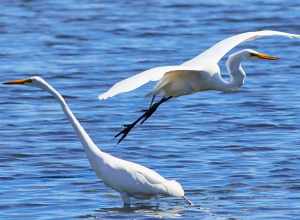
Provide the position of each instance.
(252, 54)
(34, 81)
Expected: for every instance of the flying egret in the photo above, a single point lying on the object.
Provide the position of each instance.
(128, 178)
(201, 73)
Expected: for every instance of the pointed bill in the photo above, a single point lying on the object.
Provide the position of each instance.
(265, 56)
(18, 81)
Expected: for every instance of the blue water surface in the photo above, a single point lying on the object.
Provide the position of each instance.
(236, 154)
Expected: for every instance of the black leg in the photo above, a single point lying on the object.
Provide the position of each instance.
(147, 114)
(152, 100)
(153, 108)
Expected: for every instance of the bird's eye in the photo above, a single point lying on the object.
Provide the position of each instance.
(253, 55)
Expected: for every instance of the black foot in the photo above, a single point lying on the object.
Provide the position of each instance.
(147, 114)
(125, 131)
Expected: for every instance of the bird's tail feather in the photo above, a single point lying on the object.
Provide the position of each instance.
(174, 188)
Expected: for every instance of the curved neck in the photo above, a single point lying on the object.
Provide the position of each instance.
(236, 72)
(87, 142)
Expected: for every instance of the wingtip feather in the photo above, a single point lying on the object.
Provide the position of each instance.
(294, 36)
(103, 96)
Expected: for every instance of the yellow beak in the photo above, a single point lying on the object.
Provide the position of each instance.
(18, 81)
(265, 56)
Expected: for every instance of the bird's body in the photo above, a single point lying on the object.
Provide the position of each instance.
(182, 82)
(131, 179)
(199, 74)
(128, 178)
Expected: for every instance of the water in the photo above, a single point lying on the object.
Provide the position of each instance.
(237, 155)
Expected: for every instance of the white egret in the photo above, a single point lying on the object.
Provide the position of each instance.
(201, 73)
(128, 178)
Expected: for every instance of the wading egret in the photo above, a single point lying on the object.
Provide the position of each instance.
(128, 178)
(201, 73)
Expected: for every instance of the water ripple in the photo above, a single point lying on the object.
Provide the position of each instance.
(236, 154)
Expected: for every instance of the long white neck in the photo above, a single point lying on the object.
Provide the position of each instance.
(90, 147)
(236, 72)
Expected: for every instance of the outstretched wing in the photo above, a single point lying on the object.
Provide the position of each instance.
(139, 79)
(214, 54)
(201, 62)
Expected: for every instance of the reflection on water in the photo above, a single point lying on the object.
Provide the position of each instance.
(140, 211)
